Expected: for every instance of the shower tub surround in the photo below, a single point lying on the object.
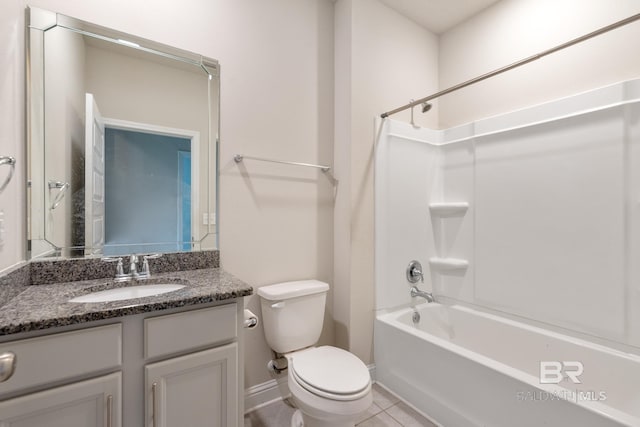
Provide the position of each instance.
(527, 225)
(36, 295)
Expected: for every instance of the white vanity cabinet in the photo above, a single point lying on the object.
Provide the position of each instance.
(171, 370)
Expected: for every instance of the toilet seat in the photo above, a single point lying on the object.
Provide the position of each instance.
(331, 373)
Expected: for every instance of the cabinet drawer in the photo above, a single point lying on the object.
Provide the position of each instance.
(175, 333)
(43, 360)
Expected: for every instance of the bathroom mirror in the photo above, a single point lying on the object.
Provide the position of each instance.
(122, 142)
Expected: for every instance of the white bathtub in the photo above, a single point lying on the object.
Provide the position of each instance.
(467, 368)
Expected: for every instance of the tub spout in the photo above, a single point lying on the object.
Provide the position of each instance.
(415, 292)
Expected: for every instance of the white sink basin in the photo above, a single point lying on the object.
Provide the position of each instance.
(128, 292)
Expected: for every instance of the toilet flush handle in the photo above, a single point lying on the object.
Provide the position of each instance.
(279, 304)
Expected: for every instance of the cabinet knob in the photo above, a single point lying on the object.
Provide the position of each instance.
(7, 365)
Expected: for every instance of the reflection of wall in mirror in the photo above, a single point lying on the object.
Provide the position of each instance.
(154, 92)
(64, 129)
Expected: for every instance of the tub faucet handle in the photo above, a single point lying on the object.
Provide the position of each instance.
(414, 272)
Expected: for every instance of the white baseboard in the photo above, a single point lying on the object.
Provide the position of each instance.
(260, 395)
(263, 394)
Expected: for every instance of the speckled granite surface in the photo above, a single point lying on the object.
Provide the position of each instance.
(47, 271)
(14, 282)
(46, 306)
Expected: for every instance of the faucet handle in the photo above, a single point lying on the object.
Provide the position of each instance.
(146, 272)
(414, 272)
(418, 272)
(119, 268)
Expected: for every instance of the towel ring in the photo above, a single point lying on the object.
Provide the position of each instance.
(62, 188)
(11, 161)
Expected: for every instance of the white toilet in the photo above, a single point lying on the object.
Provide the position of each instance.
(330, 386)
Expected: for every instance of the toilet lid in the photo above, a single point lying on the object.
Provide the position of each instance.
(330, 370)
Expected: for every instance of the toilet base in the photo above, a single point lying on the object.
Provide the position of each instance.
(300, 420)
(296, 419)
(314, 411)
(317, 411)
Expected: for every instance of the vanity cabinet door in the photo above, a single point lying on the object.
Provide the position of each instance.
(196, 390)
(91, 403)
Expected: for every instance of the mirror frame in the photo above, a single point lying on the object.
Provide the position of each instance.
(38, 21)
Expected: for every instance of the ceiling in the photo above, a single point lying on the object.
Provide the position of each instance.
(438, 15)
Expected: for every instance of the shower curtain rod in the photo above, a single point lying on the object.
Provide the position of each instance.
(515, 64)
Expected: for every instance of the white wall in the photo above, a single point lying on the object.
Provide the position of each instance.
(511, 30)
(383, 59)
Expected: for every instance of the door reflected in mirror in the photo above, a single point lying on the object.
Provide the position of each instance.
(149, 195)
(129, 128)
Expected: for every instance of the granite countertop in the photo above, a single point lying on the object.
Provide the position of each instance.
(37, 307)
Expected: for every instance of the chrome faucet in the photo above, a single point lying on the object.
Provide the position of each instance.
(415, 292)
(133, 267)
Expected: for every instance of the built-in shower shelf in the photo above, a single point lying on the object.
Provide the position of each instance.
(448, 263)
(449, 209)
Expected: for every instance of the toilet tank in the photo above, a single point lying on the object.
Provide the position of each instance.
(293, 313)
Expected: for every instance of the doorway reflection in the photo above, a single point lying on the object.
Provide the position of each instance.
(148, 192)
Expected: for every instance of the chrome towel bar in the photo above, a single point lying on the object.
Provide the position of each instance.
(240, 157)
(11, 161)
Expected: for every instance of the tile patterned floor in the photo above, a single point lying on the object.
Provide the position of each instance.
(386, 411)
